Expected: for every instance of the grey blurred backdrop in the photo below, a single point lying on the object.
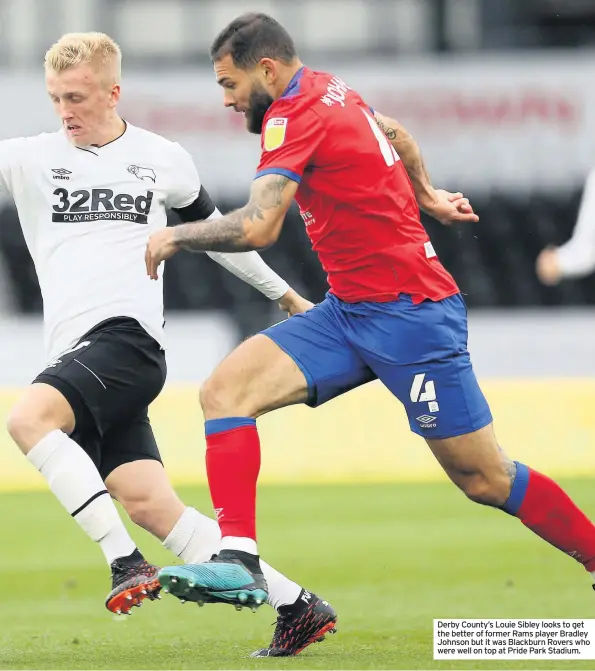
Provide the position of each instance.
(499, 94)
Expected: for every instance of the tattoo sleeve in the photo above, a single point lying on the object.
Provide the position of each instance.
(509, 465)
(248, 228)
(410, 154)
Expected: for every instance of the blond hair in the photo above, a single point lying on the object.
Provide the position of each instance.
(95, 49)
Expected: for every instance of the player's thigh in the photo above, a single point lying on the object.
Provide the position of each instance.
(253, 379)
(58, 396)
(304, 359)
(109, 376)
(442, 399)
(128, 442)
(420, 354)
(129, 370)
(113, 372)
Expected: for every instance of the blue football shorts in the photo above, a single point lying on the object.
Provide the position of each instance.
(419, 352)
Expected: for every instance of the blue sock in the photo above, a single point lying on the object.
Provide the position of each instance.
(518, 491)
(227, 424)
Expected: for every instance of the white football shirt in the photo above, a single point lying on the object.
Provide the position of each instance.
(86, 215)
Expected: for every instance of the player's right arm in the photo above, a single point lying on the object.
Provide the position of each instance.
(192, 203)
(442, 205)
(575, 258)
(287, 147)
(409, 152)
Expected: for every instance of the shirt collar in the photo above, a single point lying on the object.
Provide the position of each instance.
(293, 88)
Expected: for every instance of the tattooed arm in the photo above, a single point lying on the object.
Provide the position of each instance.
(407, 148)
(255, 226)
(442, 205)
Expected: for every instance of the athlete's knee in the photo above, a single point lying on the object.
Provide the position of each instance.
(27, 426)
(151, 510)
(221, 396)
(488, 489)
(42, 409)
(256, 378)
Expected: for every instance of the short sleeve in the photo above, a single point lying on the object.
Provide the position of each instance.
(11, 157)
(289, 143)
(185, 181)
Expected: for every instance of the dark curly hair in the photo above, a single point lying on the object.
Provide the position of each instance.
(251, 37)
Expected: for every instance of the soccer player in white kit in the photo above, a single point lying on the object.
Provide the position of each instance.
(576, 257)
(88, 198)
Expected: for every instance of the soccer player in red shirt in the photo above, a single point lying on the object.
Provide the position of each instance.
(393, 312)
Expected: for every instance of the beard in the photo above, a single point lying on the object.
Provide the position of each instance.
(258, 105)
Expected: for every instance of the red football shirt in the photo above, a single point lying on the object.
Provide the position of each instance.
(354, 193)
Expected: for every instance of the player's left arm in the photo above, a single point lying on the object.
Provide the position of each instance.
(445, 206)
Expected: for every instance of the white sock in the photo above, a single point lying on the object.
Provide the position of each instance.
(196, 537)
(239, 543)
(282, 590)
(76, 483)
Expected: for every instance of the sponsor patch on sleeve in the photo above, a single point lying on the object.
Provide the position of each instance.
(274, 133)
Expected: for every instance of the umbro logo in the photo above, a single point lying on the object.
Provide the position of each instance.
(425, 419)
(61, 173)
(146, 174)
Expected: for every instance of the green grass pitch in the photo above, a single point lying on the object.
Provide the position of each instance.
(390, 558)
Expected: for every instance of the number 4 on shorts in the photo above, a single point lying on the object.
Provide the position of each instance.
(428, 393)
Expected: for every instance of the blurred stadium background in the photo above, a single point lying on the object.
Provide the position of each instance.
(500, 96)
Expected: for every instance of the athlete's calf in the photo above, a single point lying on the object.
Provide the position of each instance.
(476, 464)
